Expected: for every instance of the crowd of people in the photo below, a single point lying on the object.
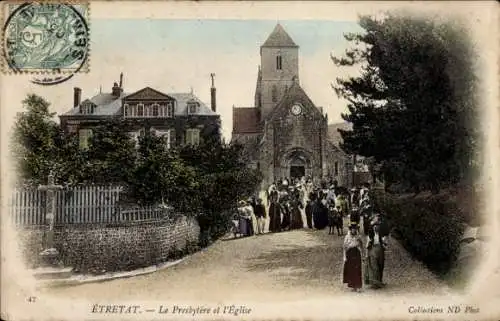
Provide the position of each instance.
(324, 206)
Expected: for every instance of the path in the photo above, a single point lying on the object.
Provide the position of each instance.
(283, 266)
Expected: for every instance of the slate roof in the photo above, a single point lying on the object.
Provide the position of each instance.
(183, 98)
(279, 38)
(245, 120)
(109, 105)
(334, 135)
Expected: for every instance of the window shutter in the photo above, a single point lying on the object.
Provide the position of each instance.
(172, 140)
(196, 138)
(189, 136)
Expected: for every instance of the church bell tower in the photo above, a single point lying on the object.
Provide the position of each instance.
(279, 57)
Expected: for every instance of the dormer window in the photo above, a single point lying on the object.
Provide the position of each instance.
(140, 110)
(87, 108)
(192, 107)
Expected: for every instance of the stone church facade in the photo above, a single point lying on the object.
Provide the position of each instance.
(285, 134)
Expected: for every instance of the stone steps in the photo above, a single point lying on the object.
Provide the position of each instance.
(52, 273)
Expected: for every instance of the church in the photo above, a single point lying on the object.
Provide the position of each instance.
(285, 134)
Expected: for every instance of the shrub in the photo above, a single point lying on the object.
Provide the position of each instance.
(427, 227)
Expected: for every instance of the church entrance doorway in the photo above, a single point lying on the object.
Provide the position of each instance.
(297, 172)
(296, 164)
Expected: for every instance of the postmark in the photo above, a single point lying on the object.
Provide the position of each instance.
(46, 38)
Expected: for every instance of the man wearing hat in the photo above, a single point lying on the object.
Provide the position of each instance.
(375, 258)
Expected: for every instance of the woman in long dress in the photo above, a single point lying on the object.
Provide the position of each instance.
(353, 246)
(274, 213)
(244, 219)
(320, 214)
(296, 207)
(375, 260)
(285, 223)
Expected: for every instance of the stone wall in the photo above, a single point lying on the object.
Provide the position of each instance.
(98, 248)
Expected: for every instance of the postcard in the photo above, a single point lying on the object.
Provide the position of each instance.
(249, 160)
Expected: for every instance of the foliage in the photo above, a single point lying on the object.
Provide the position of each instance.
(111, 154)
(413, 107)
(161, 176)
(427, 227)
(223, 180)
(205, 180)
(34, 146)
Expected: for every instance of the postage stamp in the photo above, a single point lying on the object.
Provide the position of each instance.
(298, 160)
(45, 37)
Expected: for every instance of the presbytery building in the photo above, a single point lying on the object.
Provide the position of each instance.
(181, 117)
(284, 133)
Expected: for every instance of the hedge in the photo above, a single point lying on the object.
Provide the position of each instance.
(429, 228)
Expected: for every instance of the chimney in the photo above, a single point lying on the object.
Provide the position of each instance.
(212, 94)
(77, 97)
(121, 80)
(116, 90)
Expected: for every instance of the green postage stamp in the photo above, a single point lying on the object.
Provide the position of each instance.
(45, 37)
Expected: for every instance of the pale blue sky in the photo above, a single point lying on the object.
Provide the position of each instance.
(179, 55)
(241, 35)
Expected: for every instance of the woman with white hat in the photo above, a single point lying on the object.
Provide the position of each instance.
(353, 247)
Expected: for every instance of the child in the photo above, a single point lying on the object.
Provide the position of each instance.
(332, 217)
(339, 221)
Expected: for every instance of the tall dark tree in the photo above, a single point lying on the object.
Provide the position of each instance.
(33, 144)
(413, 107)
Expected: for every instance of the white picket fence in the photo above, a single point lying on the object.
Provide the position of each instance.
(77, 205)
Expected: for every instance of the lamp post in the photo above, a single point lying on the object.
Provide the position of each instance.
(50, 253)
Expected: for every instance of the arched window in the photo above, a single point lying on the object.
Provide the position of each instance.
(155, 110)
(140, 110)
(170, 110)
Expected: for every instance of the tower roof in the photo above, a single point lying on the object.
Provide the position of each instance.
(279, 38)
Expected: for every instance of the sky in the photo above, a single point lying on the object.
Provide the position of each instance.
(179, 56)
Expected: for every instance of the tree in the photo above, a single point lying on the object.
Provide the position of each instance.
(111, 154)
(33, 144)
(161, 176)
(412, 105)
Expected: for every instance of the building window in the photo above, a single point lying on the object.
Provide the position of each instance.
(135, 137)
(87, 108)
(193, 136)
(278, 62)
(166, 134)
(170, 110)
(192, 108)
(155, 110)
(336, 171)
(72, 129)
(140, 110)
(274, 94)
(84, 138)
(126, 110)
